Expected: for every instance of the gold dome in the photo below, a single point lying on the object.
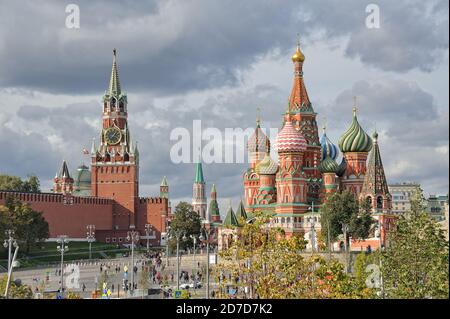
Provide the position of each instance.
(298, 55)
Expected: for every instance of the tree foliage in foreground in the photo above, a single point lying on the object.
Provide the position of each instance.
(271, 266)
(415, 264)
(187, 222)
(29, 226)
(15, 291)
(343, 209)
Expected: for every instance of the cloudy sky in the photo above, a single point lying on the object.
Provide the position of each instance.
(216, 61)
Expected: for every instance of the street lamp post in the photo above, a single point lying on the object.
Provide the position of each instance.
(344, 231)
(62, 248)
(312, 228)
(380, 225)
(9, 243)
(313, 233)
(194, 238)
(177, 234)
(90, 236)
(148, 228)
(207, 232)
(167, 244)
(133, 237)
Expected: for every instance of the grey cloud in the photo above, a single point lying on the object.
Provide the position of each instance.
(169, 46)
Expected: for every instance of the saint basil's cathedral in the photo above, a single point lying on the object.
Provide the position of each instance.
(291, 191)
(307, 172)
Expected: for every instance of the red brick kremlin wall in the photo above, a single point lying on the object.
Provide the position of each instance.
(68, 215)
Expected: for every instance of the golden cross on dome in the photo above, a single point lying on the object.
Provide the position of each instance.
(258, 117)
(354, 105)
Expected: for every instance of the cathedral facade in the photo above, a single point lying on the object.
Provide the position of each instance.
(293, 189)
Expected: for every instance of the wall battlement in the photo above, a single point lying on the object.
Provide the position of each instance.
(54, 198)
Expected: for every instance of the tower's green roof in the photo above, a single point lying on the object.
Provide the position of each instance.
(164, 182)
(213, 209)
(199, 173)
(213, 188)
(230, 219)
(240, 212)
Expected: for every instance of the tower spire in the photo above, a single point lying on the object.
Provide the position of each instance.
(299, 96)
(375, 184)
(114, 83)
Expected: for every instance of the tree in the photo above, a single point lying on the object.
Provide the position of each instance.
(187, 222)
(265, 263)
(16, 184)
(415, 264)
(16, 291)
(343, 209)
(29, 226)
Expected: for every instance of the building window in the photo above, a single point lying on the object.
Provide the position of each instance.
(108, 239)
(114, 239)
(120, 239)
(379, 202)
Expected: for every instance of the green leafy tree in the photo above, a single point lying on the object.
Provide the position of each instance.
(29, 226)
(15, 291)
(16, 184)
(415, 264)
(343, 209)
(185, 221)
(267, 264)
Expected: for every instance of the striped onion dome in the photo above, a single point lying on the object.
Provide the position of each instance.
(328, 165)
(290, 140)
(328, 148)
(355, 139)
(342, 167)
(267, 166)
(258, 141)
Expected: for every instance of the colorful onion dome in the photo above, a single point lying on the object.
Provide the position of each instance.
(342, 167)
(267, 166)
(328, 165)
(290, 140)
(258, 141)
(328, 148)
(355, 139)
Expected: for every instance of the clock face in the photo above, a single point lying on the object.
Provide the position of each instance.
(113, 135)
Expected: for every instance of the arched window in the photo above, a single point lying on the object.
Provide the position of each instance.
(379, 202)
(369, 200)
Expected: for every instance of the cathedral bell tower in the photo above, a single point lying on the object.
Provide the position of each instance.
(115, 162)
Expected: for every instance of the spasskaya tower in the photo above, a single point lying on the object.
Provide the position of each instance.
(115, 162)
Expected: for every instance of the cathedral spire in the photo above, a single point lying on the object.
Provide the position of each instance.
(299, 99)
(375, 188)
(114, 83)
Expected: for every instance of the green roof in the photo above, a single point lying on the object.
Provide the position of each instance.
(164, 182)
(230, 219)
(199, 173)
(240, 212)
(213, 209)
